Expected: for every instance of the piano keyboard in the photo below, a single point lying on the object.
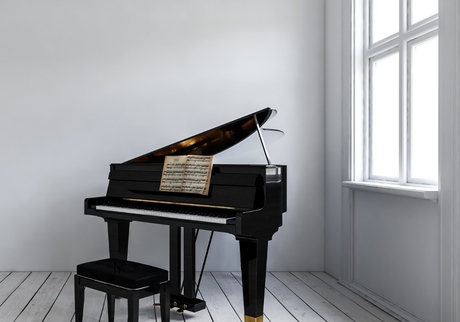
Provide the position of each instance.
(210, 218)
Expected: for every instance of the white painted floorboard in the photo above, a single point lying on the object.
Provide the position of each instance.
(289, 297)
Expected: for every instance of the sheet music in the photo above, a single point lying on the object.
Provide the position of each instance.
(187, 173)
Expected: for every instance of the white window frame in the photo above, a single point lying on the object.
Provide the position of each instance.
(357, 113)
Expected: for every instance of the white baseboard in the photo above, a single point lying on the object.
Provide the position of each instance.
(382, 303)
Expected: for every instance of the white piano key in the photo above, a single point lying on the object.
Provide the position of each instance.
(165, 214)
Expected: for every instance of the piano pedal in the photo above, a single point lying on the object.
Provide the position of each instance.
(181, 308)
(183, 303)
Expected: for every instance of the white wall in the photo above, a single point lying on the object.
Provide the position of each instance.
(333, 137)
(396, 251)
(84, 84)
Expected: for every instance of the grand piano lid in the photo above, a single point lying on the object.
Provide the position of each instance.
(211, 141)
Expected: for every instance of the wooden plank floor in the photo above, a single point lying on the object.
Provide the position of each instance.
(289, 296)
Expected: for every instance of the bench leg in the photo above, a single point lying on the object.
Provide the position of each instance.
(111, 307)
(79, 299)
(165, 301)
(133, 307)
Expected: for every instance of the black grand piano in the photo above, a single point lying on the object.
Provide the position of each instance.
(246, 201)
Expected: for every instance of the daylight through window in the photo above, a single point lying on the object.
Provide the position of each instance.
(401, 91)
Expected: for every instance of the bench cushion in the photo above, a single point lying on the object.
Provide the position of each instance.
(123, 273)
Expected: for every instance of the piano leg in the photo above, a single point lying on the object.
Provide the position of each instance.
(187, 300)
(253, 253)
(189, 262)
(175, 261)
(118, 232)
(175, 258)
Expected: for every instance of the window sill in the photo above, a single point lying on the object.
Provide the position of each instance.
(422, 192)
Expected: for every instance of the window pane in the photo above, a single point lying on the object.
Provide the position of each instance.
(384, 117)
(422, 9)
(384, 18)
(424, 111)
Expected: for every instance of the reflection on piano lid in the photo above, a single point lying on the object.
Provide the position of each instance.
(214, 140)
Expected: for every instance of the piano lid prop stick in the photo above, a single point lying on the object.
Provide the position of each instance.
(259, 131)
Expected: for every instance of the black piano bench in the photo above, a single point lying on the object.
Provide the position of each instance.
(122, 278)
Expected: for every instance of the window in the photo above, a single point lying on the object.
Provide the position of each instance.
(399, 117)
